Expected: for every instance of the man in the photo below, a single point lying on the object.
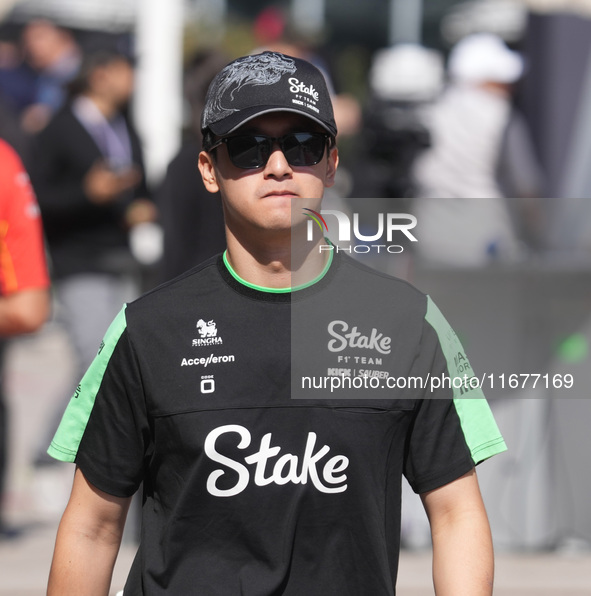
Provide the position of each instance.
(89, 178)
(192, 220)
(480, 154)
(24, 304)
(54, 55)
(24, 296)
(251, 485)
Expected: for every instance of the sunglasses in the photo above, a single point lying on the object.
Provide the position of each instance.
(250, 152)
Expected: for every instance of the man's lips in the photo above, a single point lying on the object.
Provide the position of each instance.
(279, 193)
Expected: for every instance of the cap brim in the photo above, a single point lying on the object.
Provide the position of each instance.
(235, 121)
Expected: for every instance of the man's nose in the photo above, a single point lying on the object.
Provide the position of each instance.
(277, 164)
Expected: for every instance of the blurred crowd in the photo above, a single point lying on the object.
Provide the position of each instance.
(442, 137)
(429, 127)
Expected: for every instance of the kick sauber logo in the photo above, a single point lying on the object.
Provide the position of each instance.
(208, 334)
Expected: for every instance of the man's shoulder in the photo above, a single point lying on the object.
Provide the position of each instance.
(62, 129)
(371, 282)
(63, 117)
(187, 286)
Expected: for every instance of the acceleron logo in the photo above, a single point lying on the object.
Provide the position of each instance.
(387, 225)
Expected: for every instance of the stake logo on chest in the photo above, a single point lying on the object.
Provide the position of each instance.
(269, 466)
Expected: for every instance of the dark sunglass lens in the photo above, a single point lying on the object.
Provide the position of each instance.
(253, 151)
(249, 151)
(303, 149)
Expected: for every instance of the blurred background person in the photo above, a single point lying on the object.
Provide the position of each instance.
(24, 281)
(17, 79)
(480, 153)
(54, 55)
(402, 80)
(37, 61)
(17, 91)
(191, 218)
(89, 179)
(10, 130)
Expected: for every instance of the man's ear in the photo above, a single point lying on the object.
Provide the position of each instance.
(331, 166)
(207, 170)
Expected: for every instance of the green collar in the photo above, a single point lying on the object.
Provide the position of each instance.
(278, 290)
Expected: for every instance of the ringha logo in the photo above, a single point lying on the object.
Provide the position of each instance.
(208, 333)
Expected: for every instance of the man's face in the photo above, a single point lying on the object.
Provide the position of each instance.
(44, 43)
(260, 201)
(115, 80)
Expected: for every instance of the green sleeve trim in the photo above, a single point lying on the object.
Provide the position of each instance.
(458, 365)
(480, 429)
(478, 424)
(71, 429)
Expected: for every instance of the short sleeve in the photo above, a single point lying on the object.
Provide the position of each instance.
(453, 428)
(105, 429)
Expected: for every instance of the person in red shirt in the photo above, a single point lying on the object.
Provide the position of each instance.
(24, 302)
(24, 280)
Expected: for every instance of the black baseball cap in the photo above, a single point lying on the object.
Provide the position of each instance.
(263, 83)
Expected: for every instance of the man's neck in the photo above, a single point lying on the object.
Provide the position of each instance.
(276, 264)
(104, 105)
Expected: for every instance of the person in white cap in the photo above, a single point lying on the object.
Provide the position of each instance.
(477, 142)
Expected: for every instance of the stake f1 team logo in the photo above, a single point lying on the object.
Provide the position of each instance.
(387, 225)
